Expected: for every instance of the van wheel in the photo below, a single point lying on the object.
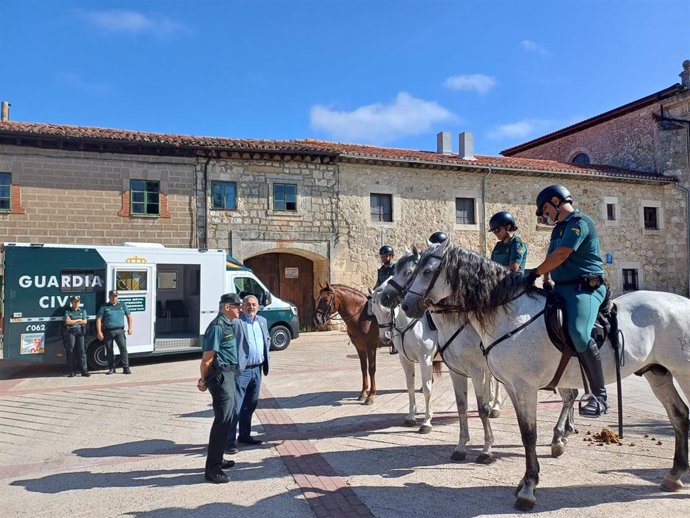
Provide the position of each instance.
(280, 338)
(97, 357)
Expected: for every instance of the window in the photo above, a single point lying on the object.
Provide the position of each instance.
(131, 280)
(285, 196)
(611, 211)
(5, 183)
(381, 206)
(144, 197)
(630, 282)
(248, 286)
(651, 221)
(464, 211)
(224, 195)
(581, 159)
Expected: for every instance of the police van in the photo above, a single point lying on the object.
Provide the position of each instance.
(172, 295)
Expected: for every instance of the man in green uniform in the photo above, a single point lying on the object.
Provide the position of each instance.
(75, 322)
(574, 263)
(217, 370)
(386, 270)
(110, 327)
(510, 251)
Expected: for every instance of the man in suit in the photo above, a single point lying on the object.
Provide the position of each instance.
(253, 342)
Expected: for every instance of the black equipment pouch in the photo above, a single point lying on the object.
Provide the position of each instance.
(590, 282)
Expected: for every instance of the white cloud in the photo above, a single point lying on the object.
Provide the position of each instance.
(531, 46)
(379, 122)
(478, 82)
(132, 22)
(521, 129)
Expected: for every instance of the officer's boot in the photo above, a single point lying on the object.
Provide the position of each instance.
(393, 349)
(591, 363)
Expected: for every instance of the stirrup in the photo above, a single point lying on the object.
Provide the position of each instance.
(594, 407)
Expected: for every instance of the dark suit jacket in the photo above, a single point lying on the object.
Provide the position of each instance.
(240, 327)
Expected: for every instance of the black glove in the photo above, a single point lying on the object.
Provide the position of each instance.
(548, 286)
(529, 277)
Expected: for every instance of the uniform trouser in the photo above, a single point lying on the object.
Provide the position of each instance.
(247, 389)
(222, 389)
(75, 352)
(581, 308)
(118, 336)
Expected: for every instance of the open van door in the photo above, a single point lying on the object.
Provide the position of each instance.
(135, 285)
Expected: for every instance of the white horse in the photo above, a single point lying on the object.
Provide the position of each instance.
(655, 326)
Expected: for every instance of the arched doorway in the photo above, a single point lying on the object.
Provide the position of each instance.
(290, 277)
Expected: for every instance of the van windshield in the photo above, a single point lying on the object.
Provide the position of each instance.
(248, 286)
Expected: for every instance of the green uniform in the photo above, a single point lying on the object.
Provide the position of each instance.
(113, 315)
(514, 251)
(75, 314)
(384, 273)
(578, 232)
(220, 338)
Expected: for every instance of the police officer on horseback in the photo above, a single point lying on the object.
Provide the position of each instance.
(574, 263)
(509, 251)
(386, 270)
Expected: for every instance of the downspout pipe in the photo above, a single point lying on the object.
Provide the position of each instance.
(203, 229)
(484, 216)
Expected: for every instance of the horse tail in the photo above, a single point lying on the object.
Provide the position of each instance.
(436, 371)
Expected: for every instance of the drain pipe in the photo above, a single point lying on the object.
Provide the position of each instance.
(483, 225)
(203, 230)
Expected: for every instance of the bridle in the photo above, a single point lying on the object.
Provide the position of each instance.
(330, 313)
(434, 278)
(401, 332)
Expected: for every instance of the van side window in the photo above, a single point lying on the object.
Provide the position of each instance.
(248, 286)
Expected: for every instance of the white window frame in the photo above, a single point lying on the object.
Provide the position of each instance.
(395, 209)
(466, 193)
(659, 216)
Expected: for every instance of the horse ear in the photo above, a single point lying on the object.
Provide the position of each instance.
(328, 285)
(407, 250)
(370, 291)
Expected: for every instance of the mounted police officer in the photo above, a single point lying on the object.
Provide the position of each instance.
(510, 251)
(574, 263)
(386, 270)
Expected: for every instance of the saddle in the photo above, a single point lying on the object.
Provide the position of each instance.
(555, 318)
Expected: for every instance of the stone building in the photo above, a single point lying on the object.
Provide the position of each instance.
(303, 212)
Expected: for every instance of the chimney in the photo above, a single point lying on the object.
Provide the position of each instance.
(685, 74)
(5, 111)
(443, 145)
(466, 149)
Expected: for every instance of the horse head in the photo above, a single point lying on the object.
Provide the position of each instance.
(384, 316)
(396, 287)
(326, 305)
(423, 288)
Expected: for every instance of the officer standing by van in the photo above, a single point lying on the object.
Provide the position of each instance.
(110, 327)
(75, 323)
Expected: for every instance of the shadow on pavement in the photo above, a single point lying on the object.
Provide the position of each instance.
(141, 449)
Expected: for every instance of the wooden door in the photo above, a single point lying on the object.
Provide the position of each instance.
(290, 277)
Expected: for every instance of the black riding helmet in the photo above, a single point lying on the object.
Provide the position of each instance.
(549, 192)
(386, 250)
(438, 237)
(502, 219)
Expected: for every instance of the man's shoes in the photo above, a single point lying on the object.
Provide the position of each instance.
(393, 350)
(110, 371)
(227, 464)
(217, 478)
(126, 371)
(86, 374)
(71, 374)
(231, 450)
(249, 440)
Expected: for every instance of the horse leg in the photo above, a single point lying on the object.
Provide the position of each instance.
(524, 400)
(365, 380)
(495, 398)
(371, 355)
(564, 426)
(408, 369)
(426, 369)
(483, 383)
(661, 382)
(460, 389)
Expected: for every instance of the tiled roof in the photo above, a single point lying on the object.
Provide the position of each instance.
(315, 147)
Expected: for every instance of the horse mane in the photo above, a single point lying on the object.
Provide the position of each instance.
(480, 286)
(343, 287)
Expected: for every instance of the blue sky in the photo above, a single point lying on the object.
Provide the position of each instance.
(381, 72)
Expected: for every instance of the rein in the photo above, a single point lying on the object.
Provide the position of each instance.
(401, 332)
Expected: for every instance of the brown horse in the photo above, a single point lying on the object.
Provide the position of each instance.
(362, 329)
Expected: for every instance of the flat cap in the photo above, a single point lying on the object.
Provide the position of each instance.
(74, 297)
(111, 293)
(231, 298)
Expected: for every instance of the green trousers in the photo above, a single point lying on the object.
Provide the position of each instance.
(581, 307)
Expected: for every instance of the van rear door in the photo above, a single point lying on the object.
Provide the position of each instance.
(135, 285)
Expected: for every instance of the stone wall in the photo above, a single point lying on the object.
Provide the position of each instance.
(77, 197)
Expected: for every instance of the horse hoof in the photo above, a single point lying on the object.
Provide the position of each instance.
(495, 413)
(362, 397)
(519, 488)
(424, 429)
(485, 458)
(410, 422)
(557, 450)
(525, 504)
(369, 401)
(458, 456)
(671, 484)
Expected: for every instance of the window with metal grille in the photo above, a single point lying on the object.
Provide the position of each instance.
(650, 218)
(464, 211)
(611, 211)
(381, 206)
(630, 282)
(224, 195)
(145, 197)
(5, 184)
(285, 196)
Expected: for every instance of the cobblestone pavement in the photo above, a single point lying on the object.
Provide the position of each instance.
(134, 446)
